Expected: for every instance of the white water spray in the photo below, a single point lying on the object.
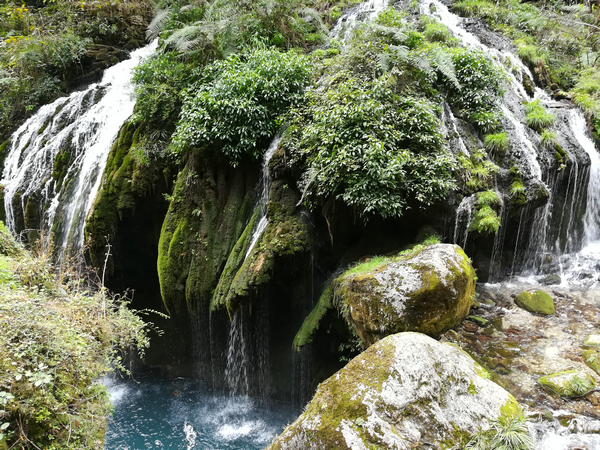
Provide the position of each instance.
(81, 129)
(365, 11)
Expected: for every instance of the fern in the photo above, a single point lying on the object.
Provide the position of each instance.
(395, 33)
(442, 62)
(157, 25)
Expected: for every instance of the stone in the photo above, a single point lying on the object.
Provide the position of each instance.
(592, 359)
(428, 290)
(569, 384)
(539, 302)
(551, 280)
(591, 341)
(478, 320)
(406, 391)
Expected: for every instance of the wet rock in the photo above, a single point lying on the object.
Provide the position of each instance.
(592, 359)
(591, 341)
(470, 327)
(569, 384)
(406, 391)
(478, 320)
(539, 302)
(429, 290)
(550, 280)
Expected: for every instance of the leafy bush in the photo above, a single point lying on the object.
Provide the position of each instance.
(480, 80)
(237, 108)
(56, 340)
(159, 82)
(537, 117)
(370, 148)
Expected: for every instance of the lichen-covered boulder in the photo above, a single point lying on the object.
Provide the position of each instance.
(429, 290)
(407, 391)
(569, 384)
(539, 302)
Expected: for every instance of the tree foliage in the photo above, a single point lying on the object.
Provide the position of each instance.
(237, 104)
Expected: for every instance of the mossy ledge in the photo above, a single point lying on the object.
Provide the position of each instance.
(208, 212)
(287, 236)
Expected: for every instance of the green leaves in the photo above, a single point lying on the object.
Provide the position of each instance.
(371, 149)
(237, 108)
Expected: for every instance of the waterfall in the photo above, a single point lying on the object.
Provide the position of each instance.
(265, 182)
(57, 157)
(347, 22)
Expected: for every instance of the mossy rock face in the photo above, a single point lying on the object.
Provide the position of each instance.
(126, 180)
(569, 384)
(592, 359)
(404, 391)
(285, 240)
(208, 212)
(429, 291)
(539, 302)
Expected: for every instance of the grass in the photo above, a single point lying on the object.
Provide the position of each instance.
(497, 142)
(537, 117)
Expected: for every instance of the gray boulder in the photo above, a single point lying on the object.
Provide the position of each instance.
(406, 391)
(428, 290)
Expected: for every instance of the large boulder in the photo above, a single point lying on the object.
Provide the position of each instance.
(429, 290)
(407, 391)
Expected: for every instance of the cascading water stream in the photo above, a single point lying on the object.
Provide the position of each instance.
(365, 11)
(264, 194)
(58, 156)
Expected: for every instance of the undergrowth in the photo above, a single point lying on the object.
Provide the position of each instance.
(58, 337)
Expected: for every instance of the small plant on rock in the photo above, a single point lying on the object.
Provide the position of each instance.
(508, 433)
(537, 117)
(497, 142)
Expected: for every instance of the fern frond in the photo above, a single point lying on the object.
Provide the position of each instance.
(442, 62)
(384, 62)
(314, 14)
(394, 33)
(157, 25)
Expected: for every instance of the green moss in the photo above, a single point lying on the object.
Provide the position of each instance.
(511, 408)
(234, 262)
(286, 236)
(539, 302)
(313, 320)
(569, 384)
(591, 341)
(592, 359)
(208, 212)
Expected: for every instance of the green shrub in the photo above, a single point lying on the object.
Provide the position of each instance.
(434, 31)
(57, 339)
(375, 151)
(537, 117)
(159, 82)
(237, 107)
(480, 88)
